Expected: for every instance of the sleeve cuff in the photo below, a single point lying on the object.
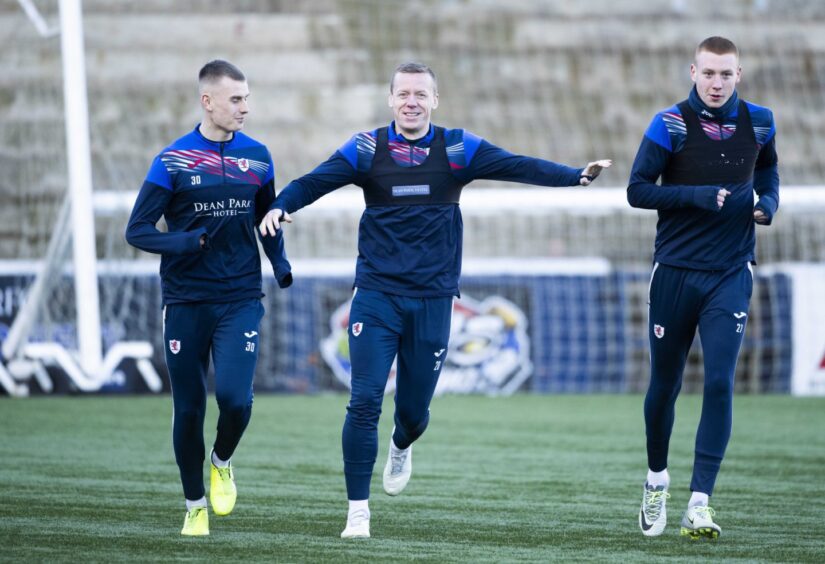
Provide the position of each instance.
(284, 276)
(767, 208)
(196, 240)
(704, 197)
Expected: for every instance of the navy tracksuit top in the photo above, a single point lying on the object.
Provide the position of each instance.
(410, 234)
(218, 189)
(732, 147)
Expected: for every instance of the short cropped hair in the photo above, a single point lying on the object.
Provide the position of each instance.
(217, 69)
(718, 45)
(413, 68)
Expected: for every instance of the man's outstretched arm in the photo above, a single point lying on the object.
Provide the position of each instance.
(330, 175)
(494, 163)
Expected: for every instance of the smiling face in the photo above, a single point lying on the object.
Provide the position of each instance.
(716, 77)
(225, 106)
(412, 99)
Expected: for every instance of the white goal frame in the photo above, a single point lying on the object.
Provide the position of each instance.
(86, 367)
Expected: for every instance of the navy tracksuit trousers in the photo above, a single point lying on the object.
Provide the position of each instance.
(230, 332)
(381, 326)
(680, 301)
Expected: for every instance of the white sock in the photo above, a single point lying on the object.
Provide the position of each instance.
(395, 449)
(218, 462)
(190, 505)
(359, 504)
(698, 498)
(657, 479)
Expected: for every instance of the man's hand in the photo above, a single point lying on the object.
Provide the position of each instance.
(271, 222)
(720, 197)
(760, 217)
(592, 170)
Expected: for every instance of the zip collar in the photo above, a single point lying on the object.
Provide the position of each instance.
(420, 142)
(216, 144)
(728, 110)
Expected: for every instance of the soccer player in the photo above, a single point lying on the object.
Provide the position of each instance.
(712, 151)
(409, 262)
(213, 186)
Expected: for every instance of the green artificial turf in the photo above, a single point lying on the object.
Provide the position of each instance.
(525, 478)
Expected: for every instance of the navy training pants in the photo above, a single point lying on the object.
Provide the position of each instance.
(230, 332)
(680, 301)
(381, 326)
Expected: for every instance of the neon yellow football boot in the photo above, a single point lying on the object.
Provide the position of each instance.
(697, 523)
(222, 491)
(196, 523)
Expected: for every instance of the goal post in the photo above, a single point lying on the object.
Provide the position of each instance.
(80, 185)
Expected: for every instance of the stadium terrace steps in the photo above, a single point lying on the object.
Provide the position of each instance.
(165, 33)
(120, 8)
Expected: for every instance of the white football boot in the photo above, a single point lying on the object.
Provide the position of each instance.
(358, 525)
(653, 514)
(398, 469)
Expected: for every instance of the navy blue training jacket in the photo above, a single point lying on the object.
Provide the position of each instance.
(403, 227)
(218, 189)
(692, 232)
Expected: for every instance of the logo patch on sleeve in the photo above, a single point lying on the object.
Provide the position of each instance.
(174, 346)
(357, 327)
(659, 331)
